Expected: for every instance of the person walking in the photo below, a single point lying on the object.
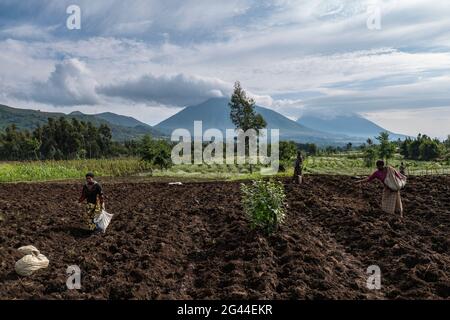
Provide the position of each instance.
(402, 169)
(92, 192)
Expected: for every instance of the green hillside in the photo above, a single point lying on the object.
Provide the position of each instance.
(30, 119)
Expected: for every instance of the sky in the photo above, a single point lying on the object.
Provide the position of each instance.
(387, 60)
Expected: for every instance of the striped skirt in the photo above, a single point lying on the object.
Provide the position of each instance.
(391, 201)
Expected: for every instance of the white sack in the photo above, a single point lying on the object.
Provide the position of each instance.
(103, 220)
(31, 262)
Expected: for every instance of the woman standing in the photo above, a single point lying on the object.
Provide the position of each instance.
(298, 169)
(93, 193)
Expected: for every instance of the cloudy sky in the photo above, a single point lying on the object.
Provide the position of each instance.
(388, 60)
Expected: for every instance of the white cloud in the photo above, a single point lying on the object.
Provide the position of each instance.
(290, 55)
(27, 31)
(431, 121)
(171, 90)
(71, 83)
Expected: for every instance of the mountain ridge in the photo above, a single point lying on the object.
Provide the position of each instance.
(29, 119)
(351, 125)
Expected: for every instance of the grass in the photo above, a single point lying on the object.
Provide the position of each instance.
(353, 164)
(70, 169)
(341, 164)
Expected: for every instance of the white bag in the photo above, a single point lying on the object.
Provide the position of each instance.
(103, 220)
(31, 262)
(393, 182)
(27, 250)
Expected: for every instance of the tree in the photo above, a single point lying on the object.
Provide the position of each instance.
(311, 149)
(349, 146)
(386, 149)
(370, 155)
(430, 150)
(422, 148)
(157, 152)
(243, 113)
(447, 143)
(18, 145)
(63, 139)
(287, 150)
(404, 147)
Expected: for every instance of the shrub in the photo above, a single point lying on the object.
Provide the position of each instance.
(156, 152)
(264, 203)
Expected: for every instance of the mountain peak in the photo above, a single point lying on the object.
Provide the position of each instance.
(351, 124)
(76, 113)
(215, 114)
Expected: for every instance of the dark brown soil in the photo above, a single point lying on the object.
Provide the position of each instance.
(193, 242)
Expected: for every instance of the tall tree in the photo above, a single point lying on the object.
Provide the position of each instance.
(386, 149)
(243, 113)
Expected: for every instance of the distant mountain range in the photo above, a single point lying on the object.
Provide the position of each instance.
(122, 127)
(214, 113)
(352, 125)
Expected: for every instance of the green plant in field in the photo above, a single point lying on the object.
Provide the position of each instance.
(264, 203)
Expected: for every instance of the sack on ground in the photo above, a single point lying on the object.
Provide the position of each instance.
(103, 220)
(31, 262)
(394, 182)
(27, 250)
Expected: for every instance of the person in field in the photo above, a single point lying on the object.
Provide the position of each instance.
(92, 192)
(391, 200)
(402, 168)
(298, 169)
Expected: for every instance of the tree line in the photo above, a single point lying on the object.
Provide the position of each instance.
(61, 139)
(422, 148)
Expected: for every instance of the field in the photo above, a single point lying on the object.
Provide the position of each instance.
(69, 169)
(341, 164)
(193, 242)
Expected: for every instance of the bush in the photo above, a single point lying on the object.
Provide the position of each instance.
(264, 203)
(156, 152)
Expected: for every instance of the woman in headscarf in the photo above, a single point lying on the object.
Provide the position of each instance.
(391, 200)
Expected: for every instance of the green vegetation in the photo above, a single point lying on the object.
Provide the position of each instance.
(122, 128)
(156, 152)
(264, 203)
(70, 169)
(59, 140)
(67, 146)
(354, 163)
(349, 163)
(424, 148)
(243, 113)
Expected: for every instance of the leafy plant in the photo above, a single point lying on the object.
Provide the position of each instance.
(156, 152)
(264, 203)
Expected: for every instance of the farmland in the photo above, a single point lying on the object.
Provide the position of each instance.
(193, 241)
(338, 164)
